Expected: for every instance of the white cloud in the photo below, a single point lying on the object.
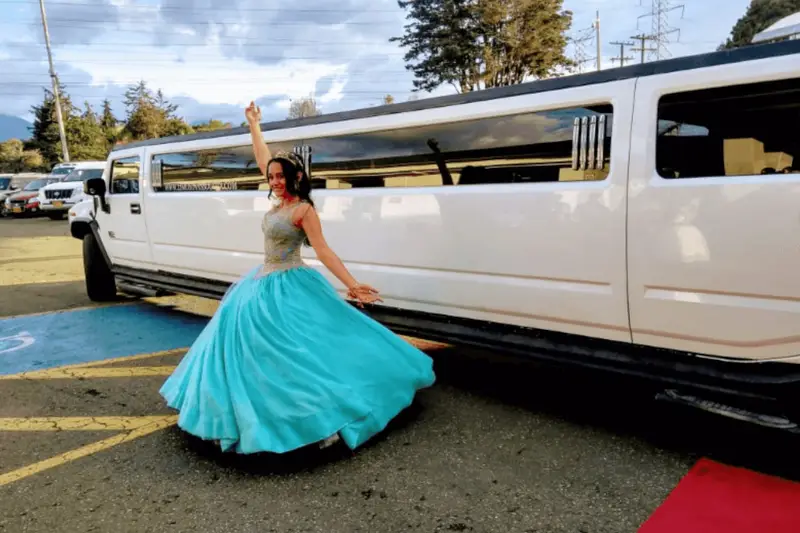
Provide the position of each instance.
(205, 74)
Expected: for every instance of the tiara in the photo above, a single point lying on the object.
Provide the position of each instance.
(291, 157)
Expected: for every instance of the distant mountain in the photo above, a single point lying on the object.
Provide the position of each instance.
(13, 128)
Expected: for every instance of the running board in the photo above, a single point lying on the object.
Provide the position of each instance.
(729, 411)
(141, 290)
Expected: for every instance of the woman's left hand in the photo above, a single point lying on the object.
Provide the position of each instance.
(364, 294)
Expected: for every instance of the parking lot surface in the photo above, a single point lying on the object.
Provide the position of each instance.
(87, 444)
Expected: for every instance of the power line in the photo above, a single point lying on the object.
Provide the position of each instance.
(153, 8)
(622, 57)
(661, 29)
(274, 43)
(221, 60)
(157, 8)
(60, 21)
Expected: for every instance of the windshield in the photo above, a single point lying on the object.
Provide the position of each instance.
(62, 171)
(85, 174)
(4, 183)
(35, 185)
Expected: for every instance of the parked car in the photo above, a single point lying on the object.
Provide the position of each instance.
(26, 201)
(56, 199)
(7, 188)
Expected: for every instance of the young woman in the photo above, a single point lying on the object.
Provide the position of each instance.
(285, 362)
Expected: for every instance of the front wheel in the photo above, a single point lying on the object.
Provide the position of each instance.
(100, 285)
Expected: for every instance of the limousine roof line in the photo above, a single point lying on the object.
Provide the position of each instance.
(724, 57)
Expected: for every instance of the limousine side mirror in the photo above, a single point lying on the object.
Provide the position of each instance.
(97, 187)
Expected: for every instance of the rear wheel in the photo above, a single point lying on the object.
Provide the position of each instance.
(100, 285)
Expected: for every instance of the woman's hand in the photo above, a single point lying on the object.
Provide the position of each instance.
(363, 294)
(253, 113)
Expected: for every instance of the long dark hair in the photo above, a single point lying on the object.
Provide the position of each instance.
(294, 186)
(301, 187)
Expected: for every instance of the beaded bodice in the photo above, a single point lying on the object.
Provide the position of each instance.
(282, 239)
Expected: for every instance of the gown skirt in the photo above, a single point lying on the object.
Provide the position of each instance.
(286, 362)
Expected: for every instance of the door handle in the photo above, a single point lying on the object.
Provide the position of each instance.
(136, 209)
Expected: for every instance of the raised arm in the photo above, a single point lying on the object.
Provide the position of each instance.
(260, 148)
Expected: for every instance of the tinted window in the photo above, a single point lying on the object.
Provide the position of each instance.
(525, 148)
(125, 175)
(4, 183)
(224, 169)
(741, 130)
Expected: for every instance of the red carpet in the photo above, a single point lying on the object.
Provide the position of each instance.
(715, 498)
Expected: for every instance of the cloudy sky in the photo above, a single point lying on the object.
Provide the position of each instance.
(213, 56)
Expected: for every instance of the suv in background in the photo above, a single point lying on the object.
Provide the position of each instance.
(56, 199)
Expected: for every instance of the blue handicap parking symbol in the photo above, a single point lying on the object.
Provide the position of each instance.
(81, 336)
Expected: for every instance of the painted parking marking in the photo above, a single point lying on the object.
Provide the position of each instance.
(71, 309)
(77, 423)
(89, 373)
(89, 449)
(132, 427)
(57, 339)
(21, 340)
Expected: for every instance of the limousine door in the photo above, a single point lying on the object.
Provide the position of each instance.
(713, 211)
(123, 229)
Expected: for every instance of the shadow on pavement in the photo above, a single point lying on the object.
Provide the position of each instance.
(621, 406)
(304, 459)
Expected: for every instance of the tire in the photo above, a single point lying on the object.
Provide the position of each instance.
(100, 285)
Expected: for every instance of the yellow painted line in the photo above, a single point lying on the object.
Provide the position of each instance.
(82, 308)
(127, 358)
(66, 372)
(78, 423)
(37, 258)
(89, 449)
(89, 373)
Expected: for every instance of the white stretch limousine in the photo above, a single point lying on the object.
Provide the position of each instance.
(643, 220)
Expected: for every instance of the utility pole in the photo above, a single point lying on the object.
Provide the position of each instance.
(54, 79)
(597, 36)
(642, 38)
(622, 57)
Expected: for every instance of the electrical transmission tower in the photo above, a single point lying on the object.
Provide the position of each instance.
(660, 26)
(580, 42)
(622, 57)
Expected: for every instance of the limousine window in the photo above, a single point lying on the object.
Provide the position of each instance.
(224, 169)
(740, 130)
(125, 175)
(524, 148)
